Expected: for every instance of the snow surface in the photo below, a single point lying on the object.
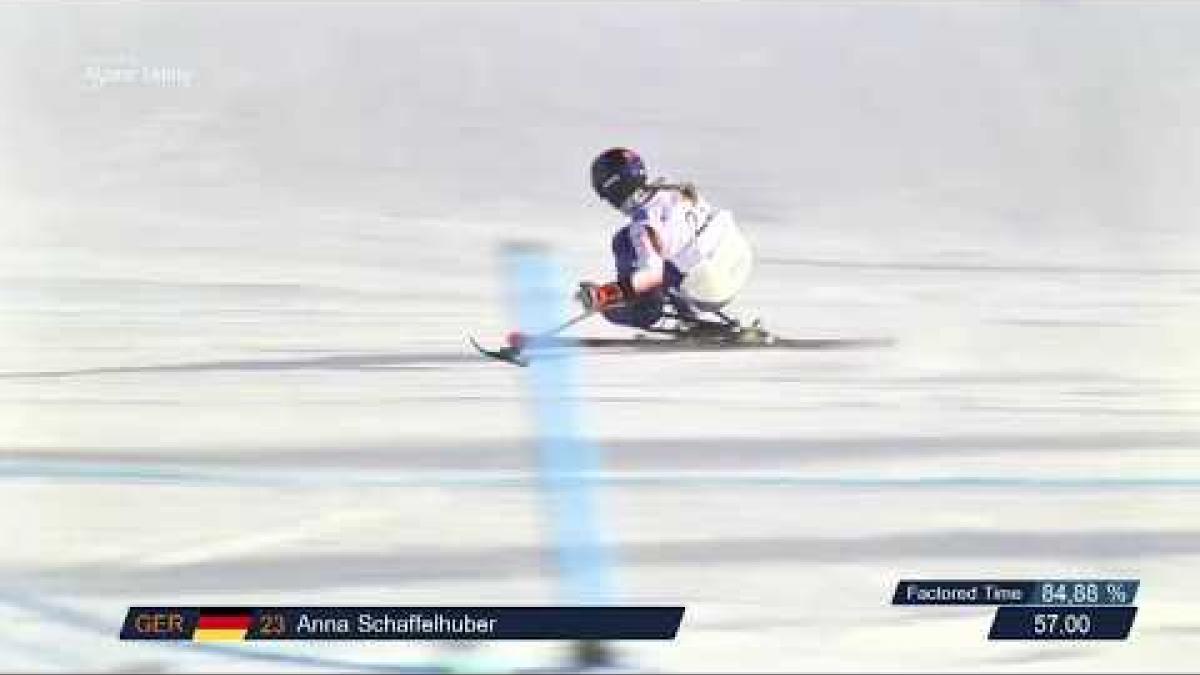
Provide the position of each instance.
(235, 284)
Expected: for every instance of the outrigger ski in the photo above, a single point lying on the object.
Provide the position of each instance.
(509, 354)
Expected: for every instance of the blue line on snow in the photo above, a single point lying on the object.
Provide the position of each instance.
(166, 474)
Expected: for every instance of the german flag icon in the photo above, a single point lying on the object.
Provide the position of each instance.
(221, 627)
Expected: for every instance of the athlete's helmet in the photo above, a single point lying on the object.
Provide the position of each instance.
(618, 175)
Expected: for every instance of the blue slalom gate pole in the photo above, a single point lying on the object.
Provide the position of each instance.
(567, 463)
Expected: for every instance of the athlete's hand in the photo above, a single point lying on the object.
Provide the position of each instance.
(599, 297)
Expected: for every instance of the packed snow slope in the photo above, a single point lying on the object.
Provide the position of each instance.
(241, 245)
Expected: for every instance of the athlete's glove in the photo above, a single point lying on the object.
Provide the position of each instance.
(599, 297)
